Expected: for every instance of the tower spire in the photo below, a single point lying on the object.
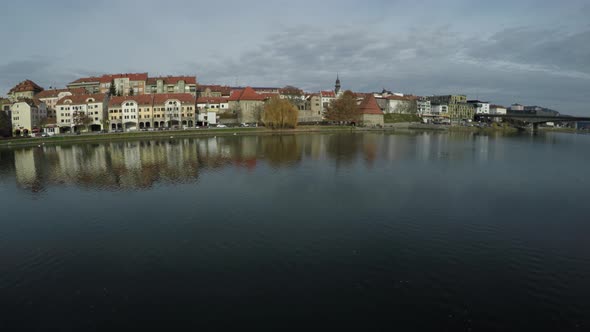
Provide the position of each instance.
(337, 86)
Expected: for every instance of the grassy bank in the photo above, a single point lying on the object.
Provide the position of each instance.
(396, 118)
(85, 138)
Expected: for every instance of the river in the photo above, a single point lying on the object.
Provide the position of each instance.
(369, 231)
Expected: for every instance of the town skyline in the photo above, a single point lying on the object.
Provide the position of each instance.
(499, 53)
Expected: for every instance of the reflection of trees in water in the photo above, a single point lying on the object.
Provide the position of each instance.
(141, 164)
(343, 148)
(281, 150)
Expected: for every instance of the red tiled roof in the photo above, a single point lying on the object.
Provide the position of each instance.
(212, 100)
(291, 91)
(54, 93)
(86, 80)
(246, 94)
(172, 79)
(328, 94)
(81, 99)
(139, 99)
(184, 98)
(26, 86)
(132, 77)
(224, 90)
(370, 106)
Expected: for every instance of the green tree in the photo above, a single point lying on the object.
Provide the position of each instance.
(344, 109)
(5, 128)
(279, 113)
(112, 89)
(131, 91)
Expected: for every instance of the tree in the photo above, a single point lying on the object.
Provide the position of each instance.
(344, 109)
(279, 113)
(112, 89)
(80, 118)
(131, 91)
(294, 95)
(5, 128)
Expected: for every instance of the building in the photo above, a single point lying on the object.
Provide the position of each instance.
(440, 110)
(26, 89)
(213, 91)
(90, 84)
(480, 107)
(208, 107)
(82, 113)
(458, 108)
(27, 116)
(371, 114)
(173, 110)
(247, 104)
(398, 104)
(172, 84)
(125, 113)
(497, 109)
(124, 83)
(423, 106)
(51, 97)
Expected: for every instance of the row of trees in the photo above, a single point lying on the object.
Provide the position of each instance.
(282, 113)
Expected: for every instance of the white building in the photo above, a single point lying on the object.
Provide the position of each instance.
(208, 107)
(82, 112)
(439, 109)
(497, 109)
(27, 116)
(480, 107)
(424, 107)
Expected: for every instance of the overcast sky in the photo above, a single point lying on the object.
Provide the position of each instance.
(531, 52)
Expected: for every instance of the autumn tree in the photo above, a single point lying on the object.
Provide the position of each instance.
(294, 95)
(279, 113)
(81, 119)
(344, 109)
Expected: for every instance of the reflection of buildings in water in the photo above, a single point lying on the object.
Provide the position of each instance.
(26, 167)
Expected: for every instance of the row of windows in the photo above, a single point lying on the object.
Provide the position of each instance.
(75, 108)
(213, 106)
(156, 109)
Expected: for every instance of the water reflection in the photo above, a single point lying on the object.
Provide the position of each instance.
(133, 165)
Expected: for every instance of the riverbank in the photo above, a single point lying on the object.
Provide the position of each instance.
(402, 126)
(89, 138)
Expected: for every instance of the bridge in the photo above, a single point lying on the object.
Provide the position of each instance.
(526, 121)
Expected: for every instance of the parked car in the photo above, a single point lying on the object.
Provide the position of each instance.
(244, 125)
(221, 126)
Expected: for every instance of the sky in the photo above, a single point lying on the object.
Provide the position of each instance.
(528, 52)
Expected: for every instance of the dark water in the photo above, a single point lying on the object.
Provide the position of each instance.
(421, 231)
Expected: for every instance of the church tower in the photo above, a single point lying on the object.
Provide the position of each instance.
(337, 86)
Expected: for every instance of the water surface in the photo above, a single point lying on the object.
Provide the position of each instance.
(439, 231)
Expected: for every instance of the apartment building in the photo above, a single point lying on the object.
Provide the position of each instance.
(82, 113)
(26, 89)
(172, 84)
(27, 116)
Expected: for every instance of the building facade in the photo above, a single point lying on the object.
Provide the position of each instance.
(247, 104)
(82, 113)
(172, 84)
(27, 116)
(371, 114)
(458, 108)
(26, 89)
(480, 107)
